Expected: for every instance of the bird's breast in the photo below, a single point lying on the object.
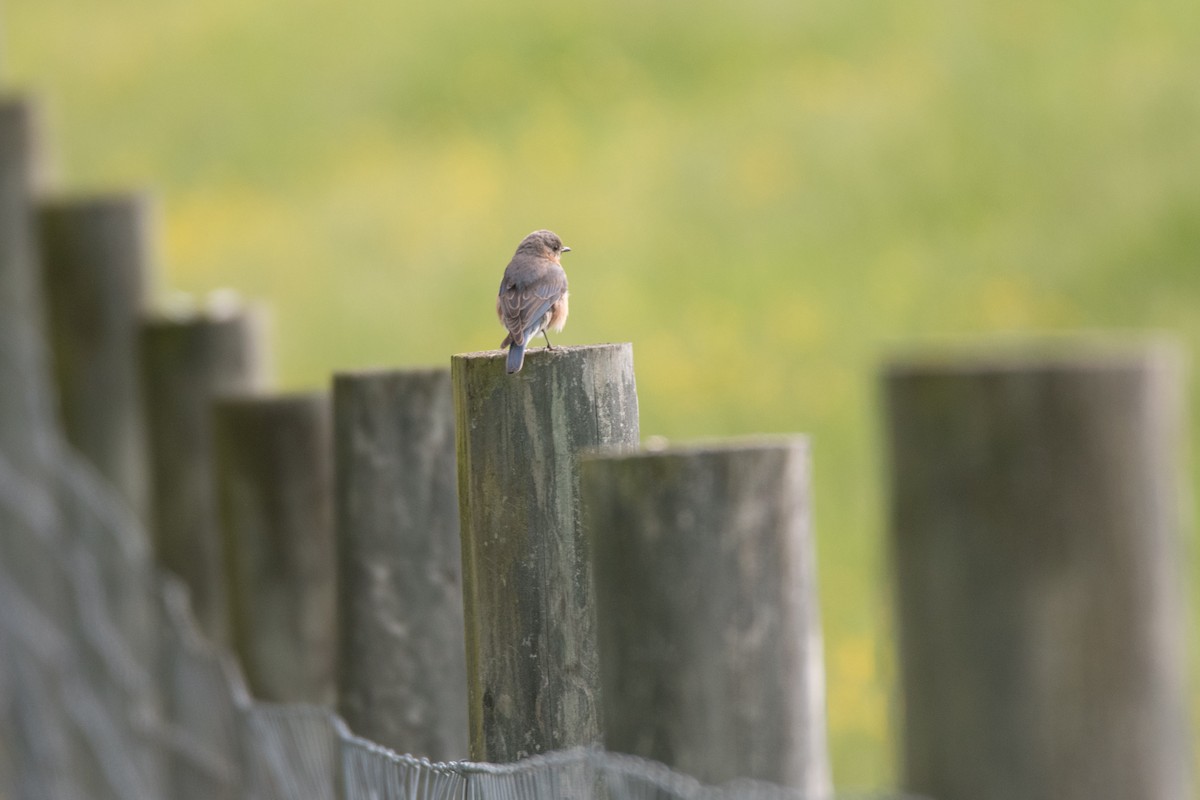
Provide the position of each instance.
(558, 314)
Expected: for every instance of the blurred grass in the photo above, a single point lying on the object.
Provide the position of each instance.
(764, 197)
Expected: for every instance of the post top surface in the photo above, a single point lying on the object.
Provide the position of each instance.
(385, 373)
(658, 447)
(252, 400)
(218, 308)
(559, 349)
(1065, 355)
(95, 201)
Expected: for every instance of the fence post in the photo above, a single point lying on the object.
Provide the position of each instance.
(710, 636)
(274, 467)
(186, 363)
(531, 642)
(94, 267)
(21, 319)
(40, 742)
(1033, 537)
(401, 665)
(94, 254)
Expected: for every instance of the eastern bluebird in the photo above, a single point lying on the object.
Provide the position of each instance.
(533, 294)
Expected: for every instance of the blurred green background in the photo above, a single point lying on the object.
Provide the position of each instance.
(764, 197)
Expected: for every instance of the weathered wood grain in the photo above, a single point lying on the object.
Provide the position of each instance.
(1033, 537)
(274, 466)
(95, 270)
(402, 670)
(710, 633)
(186, 364)
(531, 648)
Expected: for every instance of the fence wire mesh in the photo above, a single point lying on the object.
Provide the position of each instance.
(107, 689)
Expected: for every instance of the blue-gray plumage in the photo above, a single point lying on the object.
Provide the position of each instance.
(533, 294)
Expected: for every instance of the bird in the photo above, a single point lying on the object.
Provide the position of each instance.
(533, 294)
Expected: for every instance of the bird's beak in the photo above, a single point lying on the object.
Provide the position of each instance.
(566, 249)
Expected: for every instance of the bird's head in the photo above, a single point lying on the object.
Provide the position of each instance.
(543, 243)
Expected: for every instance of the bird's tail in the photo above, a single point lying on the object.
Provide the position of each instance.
(516, 357)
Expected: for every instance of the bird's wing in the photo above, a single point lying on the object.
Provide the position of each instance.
(523, 302)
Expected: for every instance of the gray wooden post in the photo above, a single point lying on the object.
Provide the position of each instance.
(95, 255)
(710, 636)
(21, 318)
(94, 269)
(1033, 536)
(401, 665)
(186, 363)
(47, 752)
(531, 649)
(274, 464)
